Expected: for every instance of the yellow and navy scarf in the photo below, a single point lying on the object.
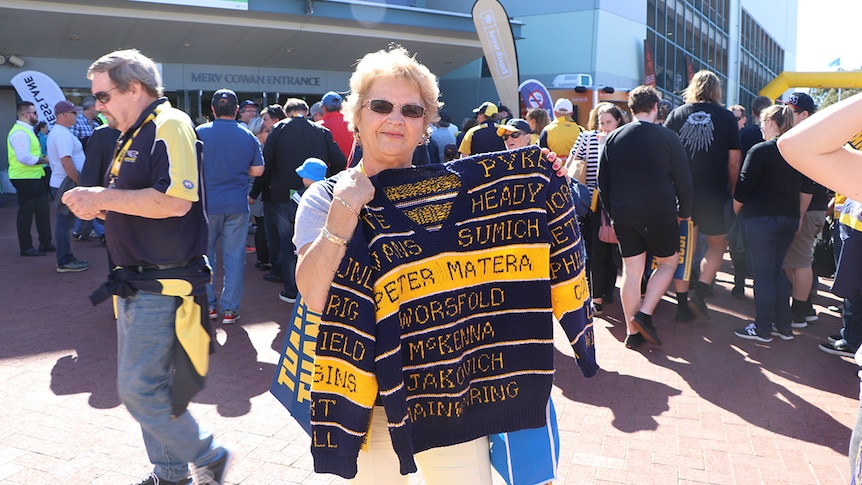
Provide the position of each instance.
(193, 330)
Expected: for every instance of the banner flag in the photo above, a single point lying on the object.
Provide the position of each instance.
(498, 45)
(40, 90)
(291, 384)
(536, 95)
(649, 64)
(686, 252)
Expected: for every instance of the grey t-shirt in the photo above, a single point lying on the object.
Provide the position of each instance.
(312, 212)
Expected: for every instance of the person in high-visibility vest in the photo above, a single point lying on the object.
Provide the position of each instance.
(26, 170)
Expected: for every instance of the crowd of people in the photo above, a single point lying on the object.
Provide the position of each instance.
(332, 224)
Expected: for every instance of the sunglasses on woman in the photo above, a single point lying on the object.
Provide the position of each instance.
(514, 135)
(385, 107)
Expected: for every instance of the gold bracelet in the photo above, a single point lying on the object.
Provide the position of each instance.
(345, 204)
(333, 238)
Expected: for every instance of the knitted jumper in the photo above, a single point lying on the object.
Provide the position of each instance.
(444, 307)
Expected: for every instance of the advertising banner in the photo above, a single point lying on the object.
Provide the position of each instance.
(40, 90)
(498, 45)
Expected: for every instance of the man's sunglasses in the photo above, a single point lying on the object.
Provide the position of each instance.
(385, 107)
(514, 135)
(103, 96)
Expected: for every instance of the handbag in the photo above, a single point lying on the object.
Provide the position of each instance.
(528, 456)
(606, 230)
(582, 198)
(824, 255)
(291, 384)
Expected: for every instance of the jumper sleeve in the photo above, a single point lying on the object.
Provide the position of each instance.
(345, 384)
(570, 294)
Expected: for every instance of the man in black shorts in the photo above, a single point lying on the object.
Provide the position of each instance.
(710, 135)
(645, 182)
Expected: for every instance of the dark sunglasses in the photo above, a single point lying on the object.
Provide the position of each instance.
(385, 107)
(738, 118)
(514, 135)
(103, 96)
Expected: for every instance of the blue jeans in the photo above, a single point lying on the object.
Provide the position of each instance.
(766, 241)
(145, 346)
(232, 229)
(63, 233)
(84, 227)
(288, 252)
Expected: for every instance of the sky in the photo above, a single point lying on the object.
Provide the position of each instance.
(827, 30)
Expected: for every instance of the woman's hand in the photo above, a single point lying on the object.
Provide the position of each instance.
(353, 187)
(558, 163)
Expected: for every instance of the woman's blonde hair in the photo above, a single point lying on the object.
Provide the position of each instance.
(781, 115)
(398, 63)
(704, 87)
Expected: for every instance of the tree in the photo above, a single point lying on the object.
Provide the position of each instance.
(825, 97)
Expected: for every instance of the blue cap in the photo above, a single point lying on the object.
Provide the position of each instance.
(312, 168)
(332, 100)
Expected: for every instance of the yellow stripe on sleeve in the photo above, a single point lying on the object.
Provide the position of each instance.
(570, 295)
(336, 376)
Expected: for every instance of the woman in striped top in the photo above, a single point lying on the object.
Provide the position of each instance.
(603, 259)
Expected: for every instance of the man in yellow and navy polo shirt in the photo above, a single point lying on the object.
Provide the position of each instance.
(561, 133)
(156, 232)
(25, 172)
(483, 138)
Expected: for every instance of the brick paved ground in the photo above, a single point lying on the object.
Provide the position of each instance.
(705, 408)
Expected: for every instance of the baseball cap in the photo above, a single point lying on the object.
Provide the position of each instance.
(227, 95)
(331, 100)
(487, 108)
(66, 106)
(445, 118)
(564, 106)
(312, 168)
(248, 102)
(513, 125)
(316, 109)
(802, 102)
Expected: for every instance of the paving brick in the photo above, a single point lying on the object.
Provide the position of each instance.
(706, 408)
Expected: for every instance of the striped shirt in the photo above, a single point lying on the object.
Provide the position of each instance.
(587, 148)
(443, 306)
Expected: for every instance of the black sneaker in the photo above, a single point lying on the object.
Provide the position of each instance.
(598, 309)
(644, 324)
(634, 341)
(684, 313)
(811, 314)
(214, 472)
(834, 338)
(750, 333)
(286, 298)
(153, 479)
(273, 278)
(783, 336)
(698, 306)
(738, 292)
(840, 347)
(705, 289)
(798, 322)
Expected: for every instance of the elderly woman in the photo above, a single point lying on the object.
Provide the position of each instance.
(767, 201)
(414, 316)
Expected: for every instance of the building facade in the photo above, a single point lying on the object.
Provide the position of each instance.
(268, 50)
